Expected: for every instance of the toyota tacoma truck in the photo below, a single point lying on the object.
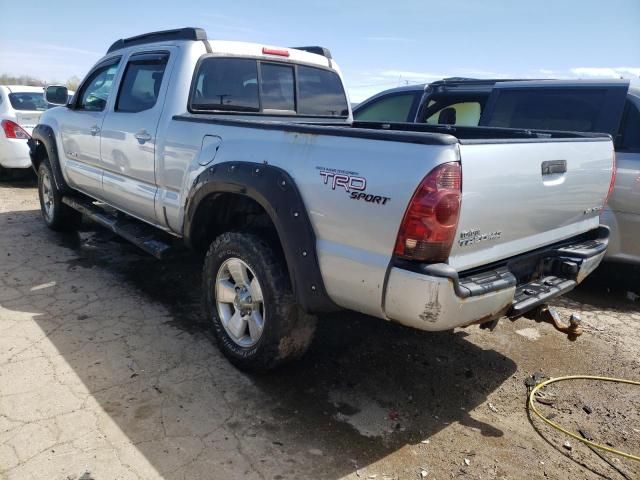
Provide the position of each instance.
(249, 152)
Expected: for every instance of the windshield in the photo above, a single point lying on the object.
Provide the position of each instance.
(29, 101)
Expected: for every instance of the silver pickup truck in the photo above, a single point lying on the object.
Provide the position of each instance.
(249, 152)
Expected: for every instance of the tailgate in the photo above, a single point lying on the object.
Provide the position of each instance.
(517, 197)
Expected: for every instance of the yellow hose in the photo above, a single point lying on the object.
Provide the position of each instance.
(573, 435)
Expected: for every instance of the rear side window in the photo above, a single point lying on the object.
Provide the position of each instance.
(548, 109)
(226, 84)
(630, 130)
(233, 84)
(320, 92)
(28, 101)
(394, 108)
(141, 82)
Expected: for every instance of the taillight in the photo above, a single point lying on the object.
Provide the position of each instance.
(612, 183)
(13, 130)
(430, 222)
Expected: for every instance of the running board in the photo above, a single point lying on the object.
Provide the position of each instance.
(135, 231)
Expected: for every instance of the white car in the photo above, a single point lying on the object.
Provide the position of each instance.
(20, 110)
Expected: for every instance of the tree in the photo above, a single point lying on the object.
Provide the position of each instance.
(72, 83)
(6, 79)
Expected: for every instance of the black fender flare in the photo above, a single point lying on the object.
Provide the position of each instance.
(276, 192)
(43, 134)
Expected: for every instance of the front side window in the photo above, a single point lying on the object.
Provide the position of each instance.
(141, 82)
(96, 89)
(394, 108)
(227, 84)
(631, 129)
(277, 87)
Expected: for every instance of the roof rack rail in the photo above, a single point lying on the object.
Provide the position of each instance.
(188, 33)
(315, 49)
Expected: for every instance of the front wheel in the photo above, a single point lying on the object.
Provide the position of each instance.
(248, 298)
(56, 215)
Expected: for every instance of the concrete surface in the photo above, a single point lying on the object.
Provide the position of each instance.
(108, 371)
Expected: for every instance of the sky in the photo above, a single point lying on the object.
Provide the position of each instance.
(378, 44)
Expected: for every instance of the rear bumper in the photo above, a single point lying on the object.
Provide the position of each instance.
(435, 297)
(14, 153)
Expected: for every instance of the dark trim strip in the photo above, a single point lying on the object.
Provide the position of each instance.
(480, 134)
(497, 141)
(345, 130)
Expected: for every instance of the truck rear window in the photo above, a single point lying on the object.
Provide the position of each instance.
(547, 109)
(233, 84)
(226, 84)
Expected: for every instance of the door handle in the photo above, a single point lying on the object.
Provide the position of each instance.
(143, 136)
(94, 130)
(554, 166)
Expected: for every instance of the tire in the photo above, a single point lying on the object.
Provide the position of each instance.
(286, 331)
(56, 215)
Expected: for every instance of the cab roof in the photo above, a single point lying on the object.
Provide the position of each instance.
(311, 54)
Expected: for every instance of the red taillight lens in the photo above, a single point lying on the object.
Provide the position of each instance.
(612, 183)
(13, 130)
(431, 220)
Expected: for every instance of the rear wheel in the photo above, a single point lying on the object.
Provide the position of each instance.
(248, 298)
(56, 215)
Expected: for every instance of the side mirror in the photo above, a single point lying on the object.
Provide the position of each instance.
(56, 94)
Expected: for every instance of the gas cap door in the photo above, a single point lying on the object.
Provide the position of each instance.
(210, 146)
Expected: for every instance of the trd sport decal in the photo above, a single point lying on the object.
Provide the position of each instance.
(352, 183)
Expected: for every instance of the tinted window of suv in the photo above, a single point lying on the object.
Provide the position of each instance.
(631, 129)
(462, 113)
(393, 108)
(226, 84)
(320, 92)
(140, 85)
(548, 109)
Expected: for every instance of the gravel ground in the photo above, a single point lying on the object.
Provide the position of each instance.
(107, 371)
